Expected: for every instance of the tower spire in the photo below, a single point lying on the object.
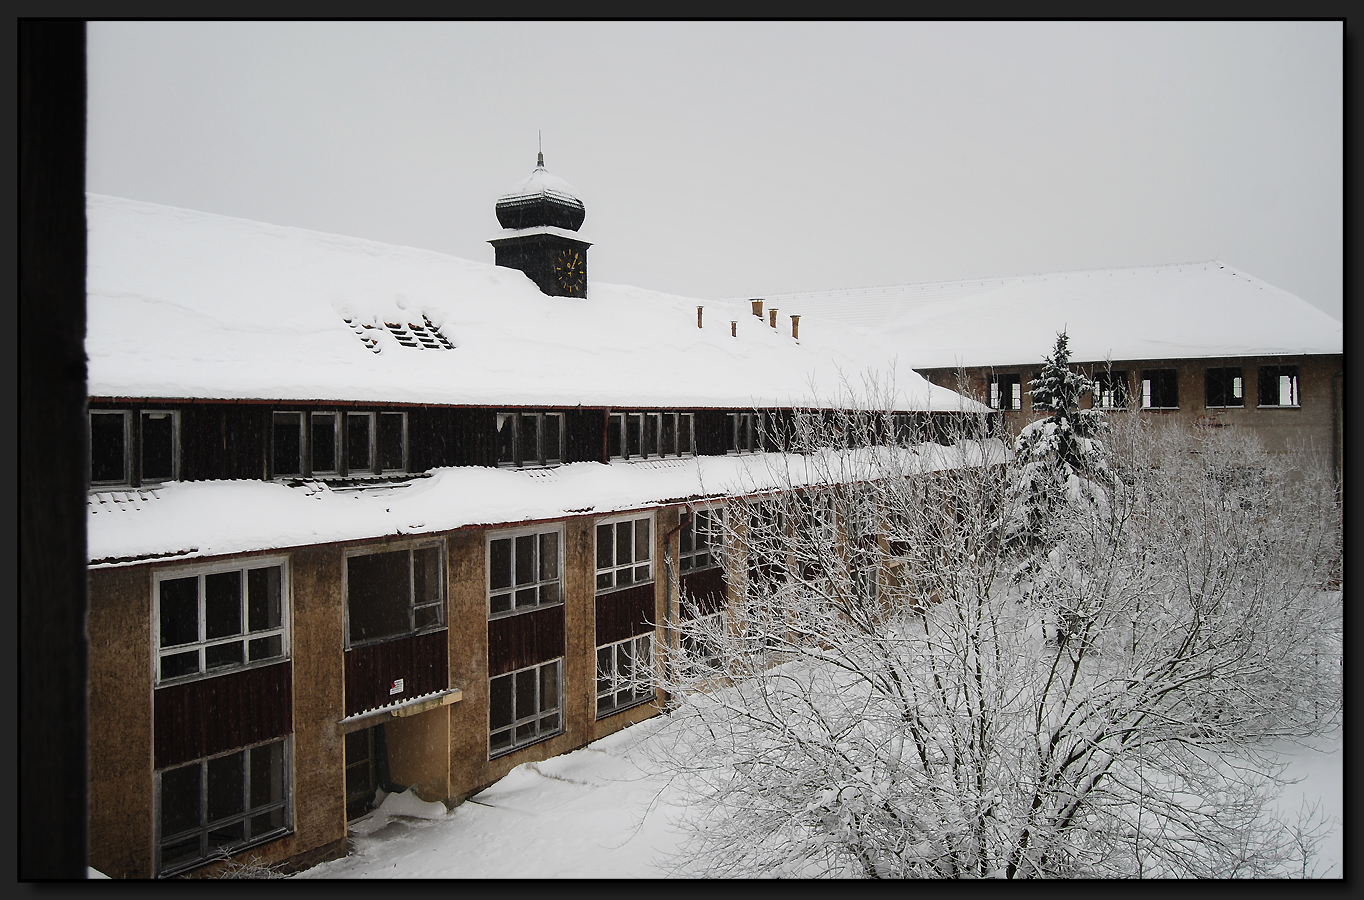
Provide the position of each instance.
(540, 157)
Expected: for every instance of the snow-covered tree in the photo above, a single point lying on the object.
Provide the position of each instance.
(880, 701)
(1062, 459)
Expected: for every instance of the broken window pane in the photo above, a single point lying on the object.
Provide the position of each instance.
(506, 439)
(530, 439)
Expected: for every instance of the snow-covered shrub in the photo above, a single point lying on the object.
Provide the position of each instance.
(937, 724)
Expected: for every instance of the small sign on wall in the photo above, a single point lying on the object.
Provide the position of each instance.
(396, 688)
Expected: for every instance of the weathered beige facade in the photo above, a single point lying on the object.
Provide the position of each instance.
(1314, 425)
(438, 746)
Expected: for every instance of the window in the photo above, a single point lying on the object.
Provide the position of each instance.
(624, 675)
(310, 443)
(523, 571)
(219, 805)
(286, 444)
(325, 456)
(1160, 389)
(1279, 386)
(702, 537)
(525, 706)
(215, 619)
(624, 553)
(392, 593)
(134, 447)
(747, 431)
(1223, 388)
(649, 434)
(698, 642)
(864, 583)
(1006, 391)
(530, 438)
(1110, 389)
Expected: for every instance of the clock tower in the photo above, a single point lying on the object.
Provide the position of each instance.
(540, 217)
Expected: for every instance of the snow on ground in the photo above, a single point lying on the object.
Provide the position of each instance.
(591, 813)
(594, 813)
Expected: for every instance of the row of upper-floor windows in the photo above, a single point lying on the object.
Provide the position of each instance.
(1223, 387)
(140, 446)
(215, 618)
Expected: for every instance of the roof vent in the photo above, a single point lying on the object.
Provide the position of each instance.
(424, 336)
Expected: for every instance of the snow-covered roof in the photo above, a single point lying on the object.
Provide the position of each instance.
(189, 520)
(541, 183)
(185, 304)
(1185, 310)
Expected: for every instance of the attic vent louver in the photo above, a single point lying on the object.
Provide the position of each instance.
(366, 334)
(424, 336)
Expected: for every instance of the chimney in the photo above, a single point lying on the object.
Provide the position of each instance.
(772, 317)
(698, 316)
(733, 329)
(757, 308)
(795, 327)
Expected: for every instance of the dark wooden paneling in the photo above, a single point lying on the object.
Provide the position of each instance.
(712, 432)
(224, 440)
(422, 661)
(626, 613)
(214, 715)
(586, 437)
(430, 431)
(515, 642)
(703, 592)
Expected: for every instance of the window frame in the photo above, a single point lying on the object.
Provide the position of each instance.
(134, 447)
(618, 430)
(996, 391)
(541, 459)
(1228, 380)
(535, 718)
(618, 683)
(615, 568)
(341, 419)
(512, 589)
(1279, 375)
(714, 549)
(206, 855)
(749, 425)
(202, 642)
(1112, 389)
(439, 604)
(1147, 387)
(692, 639)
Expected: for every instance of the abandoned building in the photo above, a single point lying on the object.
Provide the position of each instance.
(365, 516)
(1200, 343)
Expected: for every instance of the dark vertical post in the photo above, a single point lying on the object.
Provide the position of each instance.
(54, 460)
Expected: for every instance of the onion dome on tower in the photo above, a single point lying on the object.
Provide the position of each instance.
(540, 216)
(541, 199)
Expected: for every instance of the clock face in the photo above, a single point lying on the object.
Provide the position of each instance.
(570, 271)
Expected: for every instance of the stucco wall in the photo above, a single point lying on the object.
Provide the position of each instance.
(120, 710)
(1281, 429)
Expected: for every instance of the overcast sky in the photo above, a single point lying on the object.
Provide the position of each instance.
(734, 160)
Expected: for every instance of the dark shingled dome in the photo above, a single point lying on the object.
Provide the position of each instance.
(541, 199)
